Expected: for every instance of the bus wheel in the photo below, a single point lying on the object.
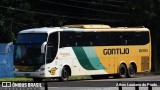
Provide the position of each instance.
(65, 74)
(131, 70)
(37, 79)
(122, 71)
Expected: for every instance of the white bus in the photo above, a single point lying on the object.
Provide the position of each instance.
(82, 50)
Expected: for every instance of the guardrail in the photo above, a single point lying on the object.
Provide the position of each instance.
(119, 87)
(136, 87)
(46, 85)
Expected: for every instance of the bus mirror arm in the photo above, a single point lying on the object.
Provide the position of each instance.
(43, 47)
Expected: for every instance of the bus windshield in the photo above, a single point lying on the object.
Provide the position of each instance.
(28, 49)
(32, 38)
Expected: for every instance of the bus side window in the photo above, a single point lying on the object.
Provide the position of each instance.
(122, 40)
(116, 38)
(70, 39)
(89, 38)
(53, 39)
(103, 39)
(142, 38)
(52, 46)
(64, 39)
(67, 39)
(130, 37)
(79, 39)
(125, 40)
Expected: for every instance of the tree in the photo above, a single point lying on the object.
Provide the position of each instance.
(146, 13)
(11, 19)
(16, 15)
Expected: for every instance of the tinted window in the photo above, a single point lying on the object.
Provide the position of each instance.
(89, 39)
(32, 38)
(52, 46)
(96, 38)
(117, 38)
(67, 39)
(129, 38)
(103, 38)
(84, 39)
(53, 38)
(142, 38)
(79, 39)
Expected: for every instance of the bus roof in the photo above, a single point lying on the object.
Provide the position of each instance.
(41, 30)
(101, 27)
(82, 28)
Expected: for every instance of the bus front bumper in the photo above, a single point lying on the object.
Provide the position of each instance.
(40, 74)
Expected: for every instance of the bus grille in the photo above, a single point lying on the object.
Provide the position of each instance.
(145, 63)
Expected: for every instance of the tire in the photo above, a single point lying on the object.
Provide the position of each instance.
(64, 75)
(37, 79)
(131, 71)
(122, 71)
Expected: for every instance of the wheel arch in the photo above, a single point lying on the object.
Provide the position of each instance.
(68, 68)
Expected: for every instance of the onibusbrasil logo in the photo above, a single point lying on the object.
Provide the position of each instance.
(20, 85)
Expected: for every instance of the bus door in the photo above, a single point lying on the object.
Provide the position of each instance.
(52, 47)
(111, 65)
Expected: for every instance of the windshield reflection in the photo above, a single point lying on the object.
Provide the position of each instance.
(29, 55)
(28, 49)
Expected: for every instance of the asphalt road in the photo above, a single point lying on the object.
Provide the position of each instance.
(111, 82)
(142, 82)
(145, 81)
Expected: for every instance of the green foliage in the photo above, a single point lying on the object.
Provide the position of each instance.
(142, 12)
(15, 79)
(16, 15)
(8, 20)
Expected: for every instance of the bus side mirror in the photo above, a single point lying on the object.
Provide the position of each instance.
(43, 47)
(8, 48)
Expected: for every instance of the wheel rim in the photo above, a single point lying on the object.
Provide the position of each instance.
(123, 71)
(65, 74)
(131, 70)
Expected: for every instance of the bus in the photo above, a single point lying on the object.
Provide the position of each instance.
(72, 50)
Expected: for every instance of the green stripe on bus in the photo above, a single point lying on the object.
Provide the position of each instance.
(93, 58)
(82, 58)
